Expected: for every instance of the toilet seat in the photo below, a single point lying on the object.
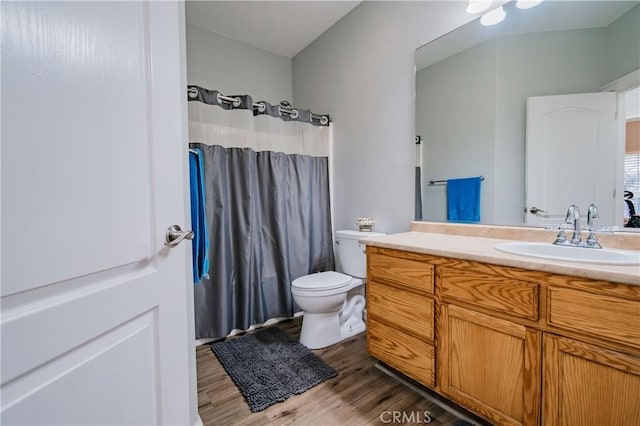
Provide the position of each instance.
(323, 284)
(321, 281)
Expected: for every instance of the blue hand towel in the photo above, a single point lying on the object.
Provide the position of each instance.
(200, 242)
(463, 200)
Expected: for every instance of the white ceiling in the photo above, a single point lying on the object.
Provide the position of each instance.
(281, 27)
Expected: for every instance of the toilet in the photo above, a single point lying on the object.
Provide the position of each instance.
(328, 316)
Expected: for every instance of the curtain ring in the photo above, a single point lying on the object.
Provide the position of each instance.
(293, 113)
(261, 106)
(236, 102)
(192, 92)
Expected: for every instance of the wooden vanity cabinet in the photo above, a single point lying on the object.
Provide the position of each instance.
(400, 313)
(595, 382)
(599, 314)
(490, 365)
(515, 346)
(585, 384)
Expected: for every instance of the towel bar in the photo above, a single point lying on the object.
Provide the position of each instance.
(444, 181)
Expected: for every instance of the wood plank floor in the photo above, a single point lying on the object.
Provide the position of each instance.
(359, 395)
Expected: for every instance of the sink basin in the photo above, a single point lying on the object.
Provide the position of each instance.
(571, 254)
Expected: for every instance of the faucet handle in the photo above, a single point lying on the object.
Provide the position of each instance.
(573, 214)
(592, 240)
(592, 213)
(561, 238)
(573, 217)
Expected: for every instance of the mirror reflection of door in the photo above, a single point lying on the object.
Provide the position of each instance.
(571, 156)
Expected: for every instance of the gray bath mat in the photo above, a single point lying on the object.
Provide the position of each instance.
(269, 366)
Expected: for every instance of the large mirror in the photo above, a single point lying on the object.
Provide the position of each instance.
(505, 102)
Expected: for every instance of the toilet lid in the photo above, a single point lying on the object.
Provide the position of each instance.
(322, 281)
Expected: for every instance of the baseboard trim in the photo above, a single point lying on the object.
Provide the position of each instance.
(235, 331)
(198, 422)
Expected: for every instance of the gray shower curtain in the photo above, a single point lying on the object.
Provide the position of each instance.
(269, 222)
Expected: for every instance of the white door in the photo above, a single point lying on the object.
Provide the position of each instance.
(571, 153)
(96, 319)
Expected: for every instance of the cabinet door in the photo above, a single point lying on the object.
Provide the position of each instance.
(489, 365)
(588, 385)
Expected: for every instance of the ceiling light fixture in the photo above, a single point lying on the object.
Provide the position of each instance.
(497, 14)
(527, 4)
(478, 6)
(494, 17)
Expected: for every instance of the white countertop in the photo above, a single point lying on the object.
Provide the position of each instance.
(481, 250)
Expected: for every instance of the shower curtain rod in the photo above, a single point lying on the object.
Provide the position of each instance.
(261, 107)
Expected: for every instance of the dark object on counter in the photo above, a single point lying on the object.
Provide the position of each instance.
(634, 222)
(634, 219)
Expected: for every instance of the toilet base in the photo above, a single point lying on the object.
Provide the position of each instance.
(320, 330)
(326, 329)
(349, 330)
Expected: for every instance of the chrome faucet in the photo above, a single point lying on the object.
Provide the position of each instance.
(573, 218)
(592, 240)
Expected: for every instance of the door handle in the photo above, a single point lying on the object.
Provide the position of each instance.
(175, 235)
(535, 210)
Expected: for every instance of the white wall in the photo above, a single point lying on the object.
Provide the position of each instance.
(455, 115)
(632, 110)
(362, 72)
(623, 45)
(219, 63)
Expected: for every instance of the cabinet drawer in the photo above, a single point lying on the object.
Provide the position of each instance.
(407, 354)
(408, 273)
(599, 315)
(507, 295)
(402, 309)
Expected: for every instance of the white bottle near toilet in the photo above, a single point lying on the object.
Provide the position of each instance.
(328, 316)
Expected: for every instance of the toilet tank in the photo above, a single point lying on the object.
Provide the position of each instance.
(351, 253)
